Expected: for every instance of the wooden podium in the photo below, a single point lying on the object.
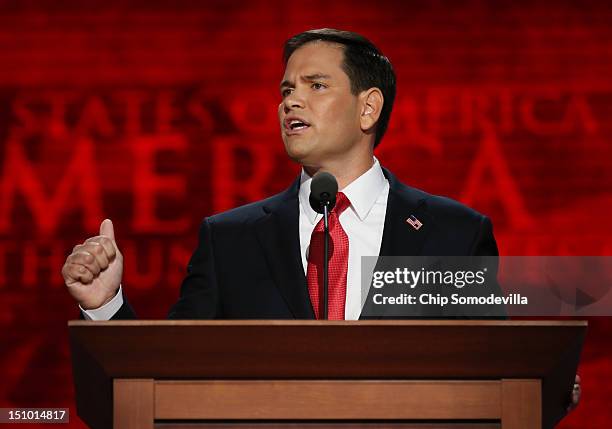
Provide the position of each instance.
(315, 374)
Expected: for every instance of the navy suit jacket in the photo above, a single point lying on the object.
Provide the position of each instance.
(248, 264)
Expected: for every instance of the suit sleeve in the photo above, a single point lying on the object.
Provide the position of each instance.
(125, 312)
(199, 298)
(484, 242)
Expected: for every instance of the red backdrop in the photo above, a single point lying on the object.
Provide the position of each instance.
(156, 115)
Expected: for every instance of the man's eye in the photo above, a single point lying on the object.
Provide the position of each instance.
(318, 85)
(285, 92)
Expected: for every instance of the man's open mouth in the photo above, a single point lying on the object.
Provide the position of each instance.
(296, 124)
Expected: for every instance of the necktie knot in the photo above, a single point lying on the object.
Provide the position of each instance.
(342, 203)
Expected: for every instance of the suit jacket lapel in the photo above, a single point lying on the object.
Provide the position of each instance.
(399, 237)
(279, 236)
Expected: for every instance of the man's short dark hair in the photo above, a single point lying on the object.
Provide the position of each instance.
(364, 64)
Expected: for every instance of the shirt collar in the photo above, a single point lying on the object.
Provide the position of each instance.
(361, 192)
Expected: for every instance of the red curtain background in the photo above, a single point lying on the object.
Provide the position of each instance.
(157, 114)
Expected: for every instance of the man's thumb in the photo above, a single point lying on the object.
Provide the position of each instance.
(106, 228)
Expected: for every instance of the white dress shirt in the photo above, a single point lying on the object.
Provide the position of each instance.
(363, 223)
(107, 311)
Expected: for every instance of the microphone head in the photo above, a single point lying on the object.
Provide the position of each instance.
(323, 190)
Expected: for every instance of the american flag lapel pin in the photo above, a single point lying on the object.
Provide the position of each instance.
(414, 222)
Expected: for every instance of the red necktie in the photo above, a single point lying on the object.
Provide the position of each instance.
(338, 263)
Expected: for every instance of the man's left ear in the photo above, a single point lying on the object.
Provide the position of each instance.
(371, 104)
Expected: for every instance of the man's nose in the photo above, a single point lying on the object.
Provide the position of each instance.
(293, 101)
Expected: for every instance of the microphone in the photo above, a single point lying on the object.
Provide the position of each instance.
(323, 190)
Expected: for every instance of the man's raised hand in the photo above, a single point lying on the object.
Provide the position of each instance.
(93, 270)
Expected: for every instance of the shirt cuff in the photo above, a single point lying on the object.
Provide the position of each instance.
(107, 311)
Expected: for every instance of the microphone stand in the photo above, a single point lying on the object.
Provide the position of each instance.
(323, 191)
(324, 316)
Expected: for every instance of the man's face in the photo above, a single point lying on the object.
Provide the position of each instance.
(319, 117)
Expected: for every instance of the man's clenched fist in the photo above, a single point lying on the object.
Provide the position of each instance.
(93, 270)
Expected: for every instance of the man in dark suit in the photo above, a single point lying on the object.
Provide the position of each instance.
(255, 261)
